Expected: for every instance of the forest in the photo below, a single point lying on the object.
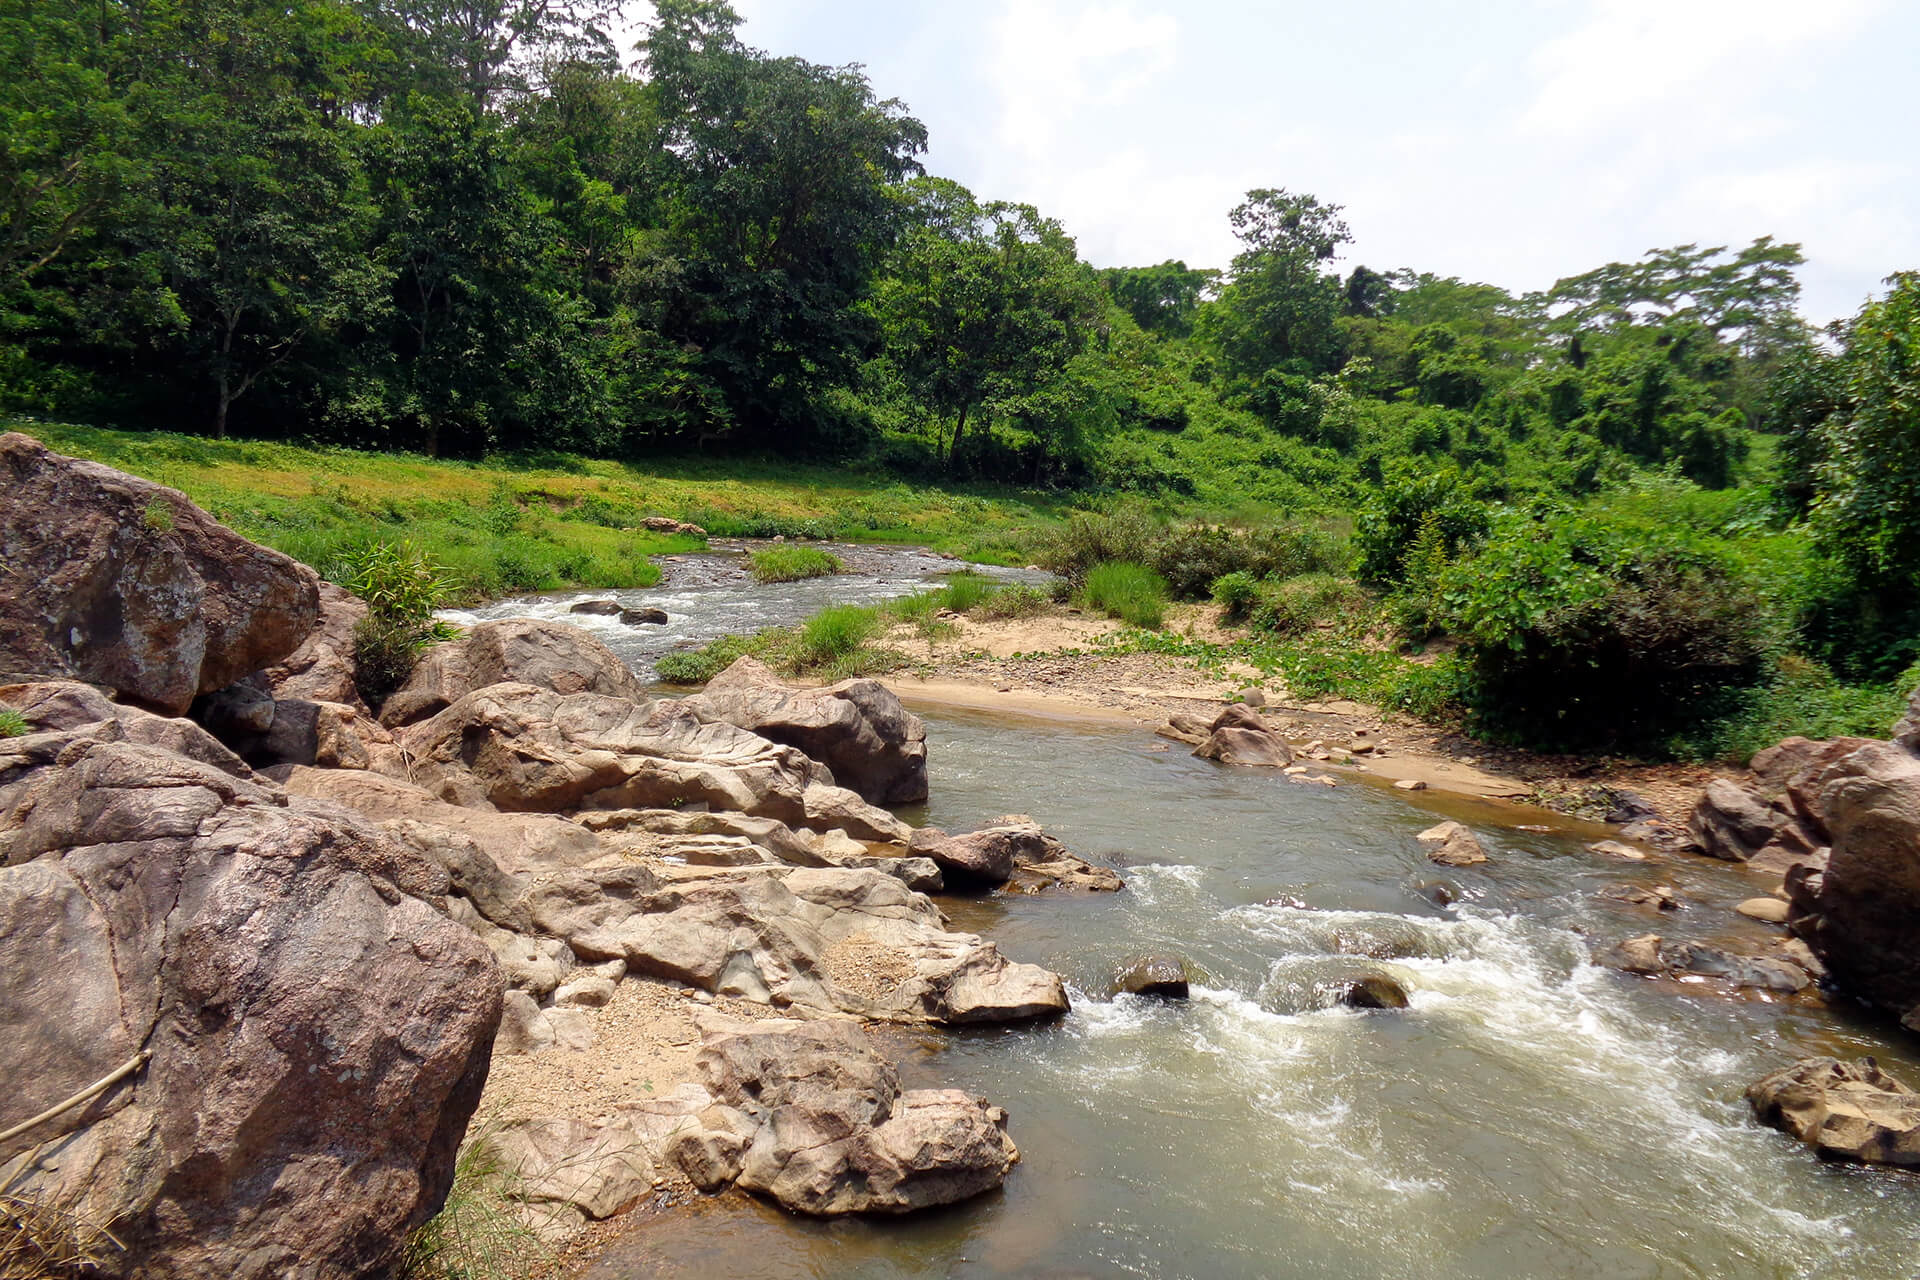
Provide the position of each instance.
(1599, 515)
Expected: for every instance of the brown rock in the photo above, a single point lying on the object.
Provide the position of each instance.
(1454, 845)
(125, 584)
(1731, 822)
(836, 1134)
(1238, 735)
(318, 1031)
(1843, 1110)
(1765, 910)
(322, 668)
(1659, 897)
(1615, 849)
(1165, 976)
(856, 728)
(1372, 991)
(523, 651)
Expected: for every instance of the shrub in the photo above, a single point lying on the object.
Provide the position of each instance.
(1131, 592)
(833, 633)
(12, 723)
(1017, 601)
(1585, 634)
(1088, 540)
(1408, 501)
(1299, 604)
(791, 564)
(402, 588)
(1236, 592)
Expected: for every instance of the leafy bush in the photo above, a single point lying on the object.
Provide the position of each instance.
(791, 564)
(1126, 535)
(1194, 557)
(402, 588)
(1588, 634)
(12, 723)
(1296, 605)
(1408, 501)
(1016, 601)
(1131, 592)
(1236, 593)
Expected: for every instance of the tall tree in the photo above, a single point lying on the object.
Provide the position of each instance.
(1278, 311)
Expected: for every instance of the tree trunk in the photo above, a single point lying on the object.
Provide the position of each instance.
(220, 411)
(959, 430)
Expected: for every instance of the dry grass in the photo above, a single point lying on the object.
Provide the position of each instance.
(41, 1242)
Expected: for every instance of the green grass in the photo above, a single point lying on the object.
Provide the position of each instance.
(791, 564)
(12, 723)
(1130, 592)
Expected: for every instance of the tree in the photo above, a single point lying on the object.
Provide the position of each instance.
(780, 212)
(1161, 299)
(986, 304)
(1278, 310)
(1749, 298)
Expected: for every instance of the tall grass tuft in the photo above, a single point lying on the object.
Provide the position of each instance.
(833, 634)
(1131, 592)
(12, 723)
(481, 1233)
(791, 564)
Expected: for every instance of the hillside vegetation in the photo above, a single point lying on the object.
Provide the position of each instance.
(504, 291)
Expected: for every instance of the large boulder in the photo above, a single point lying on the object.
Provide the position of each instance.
(834, 1133)
(306, 1031)
(857, 728)
(1452, 844)
(322, 668)
(1778, 817)
(128, 585)
(1858, 914)
(547, 655)
(527, 748)
(1011, 851)
(1843, 1110)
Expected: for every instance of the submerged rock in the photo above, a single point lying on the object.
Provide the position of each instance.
(597, 608)
(124, 584)
(1372, 991)
(1160, 975)
(645, 617)
(1843, 1110)
(1652, 956)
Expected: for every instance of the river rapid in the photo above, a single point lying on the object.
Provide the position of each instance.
(1530, 1115)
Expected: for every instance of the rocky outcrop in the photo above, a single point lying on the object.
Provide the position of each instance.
(1452, 844)
(124, 584)
(1781, 817)
(1856, 911)
(308, 1030)
(322, 668)
(524, 651)
(1238, 735)
(1843, 1110)
(857, 728)
(833, 1132)
(526, 748)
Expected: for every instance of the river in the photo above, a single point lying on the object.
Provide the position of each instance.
(1531, 1114)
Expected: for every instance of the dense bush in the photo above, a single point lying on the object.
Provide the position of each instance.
(1019, 600)
(1291, 606)
(833, 633)
(1126, 535)
(1194, 557)
(1587, 634)
(1407, 501)
(1235, 592)
(402, 588)
(1131, 592)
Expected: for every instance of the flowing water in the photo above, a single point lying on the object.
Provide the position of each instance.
(711, 594)
(1531, 1115)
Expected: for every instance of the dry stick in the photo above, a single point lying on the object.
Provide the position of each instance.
(99, 1086)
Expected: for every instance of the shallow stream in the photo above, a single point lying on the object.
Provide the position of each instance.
(1531, 1115)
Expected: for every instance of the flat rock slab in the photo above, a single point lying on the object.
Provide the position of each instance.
(1843, 1110)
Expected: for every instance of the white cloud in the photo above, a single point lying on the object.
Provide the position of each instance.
(1051, 62)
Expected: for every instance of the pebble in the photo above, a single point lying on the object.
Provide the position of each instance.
(1614, 849)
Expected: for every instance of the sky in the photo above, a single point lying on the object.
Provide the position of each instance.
(1496, 140)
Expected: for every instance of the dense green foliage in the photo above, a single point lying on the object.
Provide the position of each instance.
(1130, 592)
(482, 229)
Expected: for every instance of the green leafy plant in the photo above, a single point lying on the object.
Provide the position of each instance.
(13, 724)
(1296, 605)
(1131, 592)
(1235, 592)
(401, 588)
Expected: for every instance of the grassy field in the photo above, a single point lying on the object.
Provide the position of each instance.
(531, 523)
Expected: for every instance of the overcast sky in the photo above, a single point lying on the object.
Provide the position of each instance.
(1508, 142)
